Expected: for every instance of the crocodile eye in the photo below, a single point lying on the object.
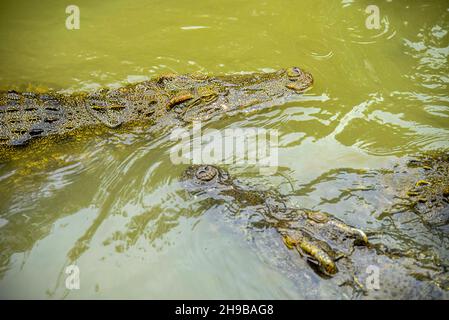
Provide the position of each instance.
(206, 173)
(294, 73)
(317, 216)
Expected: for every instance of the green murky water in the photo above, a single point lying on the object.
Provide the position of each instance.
(112, 205)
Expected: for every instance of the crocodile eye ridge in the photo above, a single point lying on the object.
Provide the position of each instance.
(206, 173)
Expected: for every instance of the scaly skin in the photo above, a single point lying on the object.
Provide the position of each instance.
(162, 102)
(321, 238)
(429, 195)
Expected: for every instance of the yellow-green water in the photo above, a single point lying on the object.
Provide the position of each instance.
(112, 205)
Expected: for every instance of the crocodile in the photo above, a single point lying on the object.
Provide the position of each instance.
(159, 103)
(331, 247)
(319, 237)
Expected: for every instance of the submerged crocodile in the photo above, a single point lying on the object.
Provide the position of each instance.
(332, 247)
(159, 103)
(319, 237)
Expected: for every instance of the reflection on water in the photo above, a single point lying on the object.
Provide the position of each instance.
(112, 203)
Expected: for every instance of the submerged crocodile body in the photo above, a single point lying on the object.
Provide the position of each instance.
(321, 238)
(427, 192)
(334, 249)
(161, 102)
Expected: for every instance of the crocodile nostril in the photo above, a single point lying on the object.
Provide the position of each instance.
(206, 173)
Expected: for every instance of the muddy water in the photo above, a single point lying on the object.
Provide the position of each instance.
(112, 204)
